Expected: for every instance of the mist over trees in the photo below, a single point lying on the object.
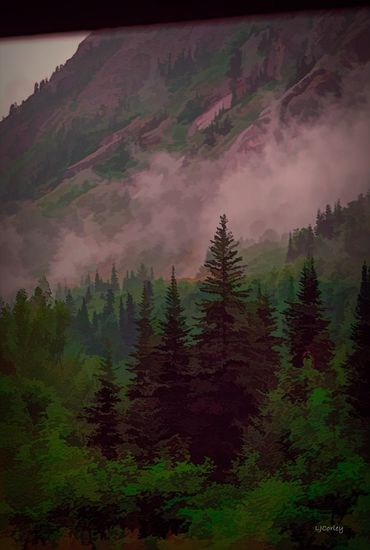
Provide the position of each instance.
(186, 412)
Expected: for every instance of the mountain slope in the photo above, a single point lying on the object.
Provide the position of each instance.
(117, 77)
(83, 161)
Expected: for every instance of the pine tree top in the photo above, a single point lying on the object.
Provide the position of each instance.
(114, 279)
(174, 326)
(309, 292)
(109, 302)
(226, 271)
(144, 324)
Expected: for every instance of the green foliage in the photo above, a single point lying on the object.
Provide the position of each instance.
(306, 325)
(359, 359)
(117, 163)
(51, 207)
(193, 108)
(296, 453)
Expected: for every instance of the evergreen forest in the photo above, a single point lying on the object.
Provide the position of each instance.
(231, 410)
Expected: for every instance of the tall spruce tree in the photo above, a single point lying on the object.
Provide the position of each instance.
(97, 282)
(149, 287)
(95, 323)
(114, 284)
(320, 223)
(220, 399)
(310, 242)
(143, 426)
(70, 303)
(338, 217)
(103, 414)
(265, 343)
(290, 253)
(83, 326)
(286, 285)
(224, 298)
(108, 308)
(109, 329)
(359, 360)
(130, 332)
(306, 326)
(121, 318)
(125, 281)
(88, 295)
(174, 358)
(22, 328)
(328, 223)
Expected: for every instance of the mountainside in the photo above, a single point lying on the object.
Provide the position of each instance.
(86, 156)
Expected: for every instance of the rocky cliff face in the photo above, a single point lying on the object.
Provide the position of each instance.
(74, 151)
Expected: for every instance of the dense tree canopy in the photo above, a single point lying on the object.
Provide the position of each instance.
(219, 413)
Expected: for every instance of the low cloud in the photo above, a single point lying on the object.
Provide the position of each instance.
(175, 205)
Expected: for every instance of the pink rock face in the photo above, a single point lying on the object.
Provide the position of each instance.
(206, 118)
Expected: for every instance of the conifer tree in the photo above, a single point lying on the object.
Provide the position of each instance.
(174, 356)
(220, 394)
(70, 303)
(286, 285)
(265, 358)
(45, 288)
(95, 323)
(83, 325)
(310, 242)
(98, 282)
(22, 327)
(359, 360)
(109, 329)
(328, 222)
(224, 297)
(306, 326)
(338, 217)
(130, 324)
(108, 308)
(290, 253)
(103, 414)
(209, 135)
(143, 427)
(88, 295)
(144, 346)
(121, 318)
(149, 287)
(114, 279)
(125, 281)
(319, 227)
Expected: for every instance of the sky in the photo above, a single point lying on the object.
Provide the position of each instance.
(26, 60)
